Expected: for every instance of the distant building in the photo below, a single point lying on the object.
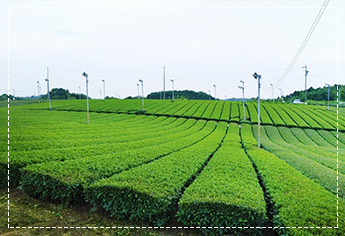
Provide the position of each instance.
(297, 101)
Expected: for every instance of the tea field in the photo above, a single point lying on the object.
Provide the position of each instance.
(194, 165)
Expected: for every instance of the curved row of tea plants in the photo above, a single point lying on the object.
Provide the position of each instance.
(147, 137)
(277, 114)
(65, 181)
(150, 191)
(226, 193)
(305, 163)
(300, 206)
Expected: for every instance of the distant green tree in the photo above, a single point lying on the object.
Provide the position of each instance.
(181, 94)
(60, 93)
(317, 94)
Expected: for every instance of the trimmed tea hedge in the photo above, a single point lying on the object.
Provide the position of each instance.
(297, 201)
(275, 117)
(295, 116)
(150, 192)
(226, 111)
(60, 178)
(22, 159)
(323, 175)
(226, 193)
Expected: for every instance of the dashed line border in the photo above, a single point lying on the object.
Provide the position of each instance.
(160, 227)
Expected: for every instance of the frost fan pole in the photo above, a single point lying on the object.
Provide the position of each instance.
(328, 96)
(164, 83)
(48, 92)
(305, 78)
(87, 97)
(142, 93)
(258, 77)
(103, 88)
(38, 91)
(244, 109)
(172, 84)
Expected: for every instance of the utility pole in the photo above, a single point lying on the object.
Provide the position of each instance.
(209, 94)
(79, 93)
(48, 92)
(305, 77)
(281, 92)
(138, 91)
(100, 94)
(103, 88)
(172, 83)
(38, 91)
(244, 109)
(87, 96)
(142, 94)
(328, 95)
(164, 83)
(258, 77)
(272, 93)
(215, 92)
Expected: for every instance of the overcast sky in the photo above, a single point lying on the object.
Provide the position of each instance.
(199, 46)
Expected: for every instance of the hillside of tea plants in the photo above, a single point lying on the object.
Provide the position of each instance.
(186, 163)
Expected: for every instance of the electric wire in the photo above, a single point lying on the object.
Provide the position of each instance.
(305, 41)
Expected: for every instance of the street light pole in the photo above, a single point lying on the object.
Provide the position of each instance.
(48, 92)
(38, 91)
(209, 94)
(244, 109)
(272, 92)
(103, 88)
(138, 91)
(172, 83)
(79, 93)
(87, 96)
(142, 93)
(258, 77)
(328, 96)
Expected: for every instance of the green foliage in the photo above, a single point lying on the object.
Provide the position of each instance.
(113, 144)
(60, 93)
(83, 171)
(181, 94)
(235, 113)
(217, 112)
(265, 118)
(297, 200)
(225, 115)
(317, 94)
(278, 114)
(149, 192)
(301, 160)
(253, 113)
(271, 112)
(293, 114)
(145, 166)
(226, 193)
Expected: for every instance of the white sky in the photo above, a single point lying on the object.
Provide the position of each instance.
(199, 46)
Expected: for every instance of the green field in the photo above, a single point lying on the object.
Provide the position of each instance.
(184, 163)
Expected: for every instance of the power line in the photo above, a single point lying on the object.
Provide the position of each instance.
(305, 41)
